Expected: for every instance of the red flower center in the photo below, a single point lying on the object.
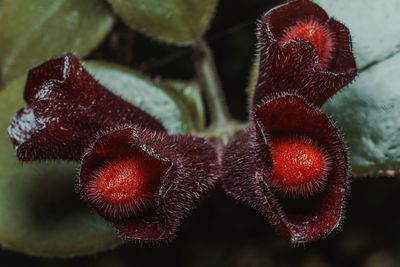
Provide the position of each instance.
(299, 167)
(126, 180)
(317, 34)
(126, 186)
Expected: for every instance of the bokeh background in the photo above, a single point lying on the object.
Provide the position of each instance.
(221, 232)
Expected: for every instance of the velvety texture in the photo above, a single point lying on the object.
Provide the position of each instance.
(187, 169)
(294, 65)
(248, 166)
(291, 163)
(66, 107)
(133, 173)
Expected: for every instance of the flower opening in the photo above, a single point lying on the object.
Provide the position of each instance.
(317, 33)
(299, 167)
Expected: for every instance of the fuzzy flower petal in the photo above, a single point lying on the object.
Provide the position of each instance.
(66, 107)
(304, 52)
(146, 182)
(291, 165)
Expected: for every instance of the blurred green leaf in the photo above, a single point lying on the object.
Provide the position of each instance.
(171, 21)
(374, 26)
(147, 95)
(40, 212)
(188, 96)
(368, 112)
(33, 31)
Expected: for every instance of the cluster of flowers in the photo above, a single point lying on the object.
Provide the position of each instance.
(290, 164)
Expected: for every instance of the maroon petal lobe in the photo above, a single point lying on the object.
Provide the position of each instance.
(343, 55)
(66, 107)
(278, 19)
(303, 52)
(292, 166)
(146, 182)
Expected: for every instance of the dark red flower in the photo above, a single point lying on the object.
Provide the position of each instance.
(66, 108)
(145, 182)
(303, 51)
(133, 172)
(291, 165)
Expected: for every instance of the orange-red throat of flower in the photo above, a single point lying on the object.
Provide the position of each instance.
(317, 34)
(299, 167)
(127, 184)
(126, 180)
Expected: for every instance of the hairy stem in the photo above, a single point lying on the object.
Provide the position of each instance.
(221, 122)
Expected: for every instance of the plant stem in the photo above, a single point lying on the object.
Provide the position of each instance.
(221, 121)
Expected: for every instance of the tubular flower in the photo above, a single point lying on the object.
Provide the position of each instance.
(291, 164)
(133, 173)
(146, 182)
(66, 108)
(304, 52)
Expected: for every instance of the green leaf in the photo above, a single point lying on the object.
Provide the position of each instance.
(188, 96)
(171, 21)
(145, 94)
(33, 31)
(374, 26)
(40, 212)
(368, 112)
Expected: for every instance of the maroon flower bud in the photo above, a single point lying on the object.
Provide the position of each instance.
(291, 165)
(303, 51)
(145, 182)
(66, 108)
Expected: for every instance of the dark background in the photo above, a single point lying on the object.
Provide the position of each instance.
(221, 232)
